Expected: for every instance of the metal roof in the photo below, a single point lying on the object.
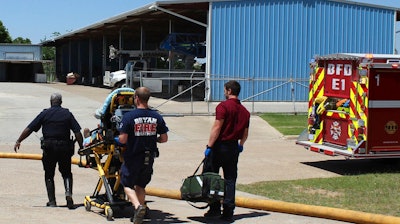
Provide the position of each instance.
(148, 14)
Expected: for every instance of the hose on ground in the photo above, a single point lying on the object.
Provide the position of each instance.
(260, 204)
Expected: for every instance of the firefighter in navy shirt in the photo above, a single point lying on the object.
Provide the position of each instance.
(56, 123)
(141, 129)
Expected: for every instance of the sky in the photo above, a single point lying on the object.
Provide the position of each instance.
(38, 20)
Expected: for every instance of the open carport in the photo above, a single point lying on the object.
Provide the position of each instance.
(139, 33)
(21, 63)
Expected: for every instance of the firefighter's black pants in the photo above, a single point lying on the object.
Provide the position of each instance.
(225, 155)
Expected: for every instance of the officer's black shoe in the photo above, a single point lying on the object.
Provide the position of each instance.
(70, 202)
(51, 204)
(227, 219)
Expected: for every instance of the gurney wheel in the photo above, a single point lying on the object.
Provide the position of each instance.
(87, 204)
(109, 213)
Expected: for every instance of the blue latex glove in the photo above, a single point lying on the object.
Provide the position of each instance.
(116, 139)
(240, 147)
(207, 151)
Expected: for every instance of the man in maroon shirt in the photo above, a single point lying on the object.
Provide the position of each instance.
(228, 134)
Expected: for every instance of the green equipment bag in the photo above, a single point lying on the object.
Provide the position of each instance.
(207, 187)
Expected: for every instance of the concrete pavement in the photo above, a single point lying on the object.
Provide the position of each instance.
(267, 156)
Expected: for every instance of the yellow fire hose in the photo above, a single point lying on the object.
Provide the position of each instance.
(34, 157)
(261, 204)
(293, 208)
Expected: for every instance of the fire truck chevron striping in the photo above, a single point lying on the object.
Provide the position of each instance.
(352, 110)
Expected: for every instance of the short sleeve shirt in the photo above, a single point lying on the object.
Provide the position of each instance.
(56, 123)
(236, 119)
(142, 127)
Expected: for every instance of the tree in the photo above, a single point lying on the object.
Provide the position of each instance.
(49, 53)
(4, 35)
(20, 40)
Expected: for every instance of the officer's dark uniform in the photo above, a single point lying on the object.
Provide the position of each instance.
(56, 123)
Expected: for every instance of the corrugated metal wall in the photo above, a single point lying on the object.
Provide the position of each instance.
(268, 44)
(21, 48)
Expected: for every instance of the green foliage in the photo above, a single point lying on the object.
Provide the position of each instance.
(6, 38)
(371, 192)
(4, 35)
(286, 123)
(48, 53)
(20, 40)
(49, 70)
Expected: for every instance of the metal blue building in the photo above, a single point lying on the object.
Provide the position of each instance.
(268, 44)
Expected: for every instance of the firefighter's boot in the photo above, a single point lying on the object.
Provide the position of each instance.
(51, 193)
(68, 192)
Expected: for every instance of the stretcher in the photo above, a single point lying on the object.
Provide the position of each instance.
(104, 153)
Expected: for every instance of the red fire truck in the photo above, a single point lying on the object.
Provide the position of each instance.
(354, 106)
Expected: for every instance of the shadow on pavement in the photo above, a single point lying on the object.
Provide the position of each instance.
(154, 216)
(157, 216)
(237, 217)
(356, 167)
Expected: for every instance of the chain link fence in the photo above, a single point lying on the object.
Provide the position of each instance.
(188, 93)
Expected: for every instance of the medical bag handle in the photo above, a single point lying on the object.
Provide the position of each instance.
(190, 203)
(197, 169)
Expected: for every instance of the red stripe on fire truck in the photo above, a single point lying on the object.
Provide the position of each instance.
(316, 86)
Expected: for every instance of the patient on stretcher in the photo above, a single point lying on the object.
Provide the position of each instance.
(117, 103)
(89, 138)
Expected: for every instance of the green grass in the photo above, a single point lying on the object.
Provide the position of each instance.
(371, 192)
(286, 123)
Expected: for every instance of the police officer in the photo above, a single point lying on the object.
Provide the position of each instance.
(56, 123)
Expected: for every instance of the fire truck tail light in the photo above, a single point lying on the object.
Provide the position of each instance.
(360, 130)
(395, 65)
(369, 56)
(361, 123)
(329, 153)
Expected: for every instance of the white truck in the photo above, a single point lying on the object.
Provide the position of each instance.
(126, 77)
(115, 79)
